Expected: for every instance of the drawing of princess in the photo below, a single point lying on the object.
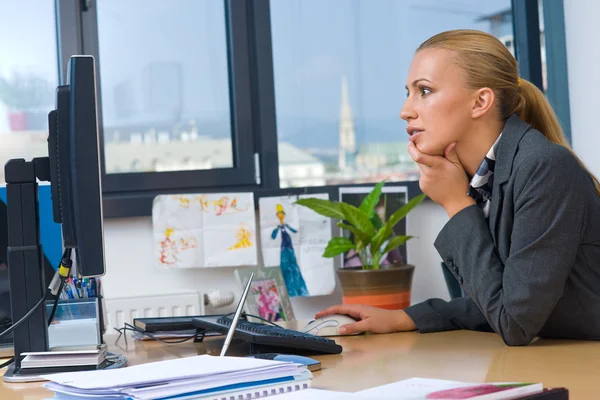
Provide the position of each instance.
(289, 266)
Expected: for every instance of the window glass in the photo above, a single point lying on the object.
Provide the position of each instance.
(164, 85)
(340, 68)
(28, 78)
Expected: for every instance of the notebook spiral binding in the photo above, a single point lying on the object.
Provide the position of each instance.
(261, 391)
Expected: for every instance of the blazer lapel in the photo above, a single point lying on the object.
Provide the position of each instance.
(513, 131)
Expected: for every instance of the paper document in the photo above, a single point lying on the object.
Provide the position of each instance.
(180, 377)
(422, 388)
(294, 238)
(314, 394)
(204, 230)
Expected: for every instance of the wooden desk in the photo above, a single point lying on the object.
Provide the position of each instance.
(372, 360)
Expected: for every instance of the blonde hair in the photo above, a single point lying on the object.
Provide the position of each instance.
(486, 62)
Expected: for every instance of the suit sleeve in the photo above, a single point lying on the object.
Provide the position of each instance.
(517, 297)
(436, 315)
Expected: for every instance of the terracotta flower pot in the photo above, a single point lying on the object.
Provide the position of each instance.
(387, 288)
(17, 120)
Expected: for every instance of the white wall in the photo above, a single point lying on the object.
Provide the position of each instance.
(583, 62)
(131, 269)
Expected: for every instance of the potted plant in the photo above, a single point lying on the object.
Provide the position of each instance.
(26, 97)
(371, 238)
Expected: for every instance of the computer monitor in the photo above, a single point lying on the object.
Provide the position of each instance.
(75, 166)
(73, 170)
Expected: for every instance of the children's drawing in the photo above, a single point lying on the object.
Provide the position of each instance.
(243, 237)
(294, 238)
(204, 230)
(173, 251)
(289, 266)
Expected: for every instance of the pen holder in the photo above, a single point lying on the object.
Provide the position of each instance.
(76, 323)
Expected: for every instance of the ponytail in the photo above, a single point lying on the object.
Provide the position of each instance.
(534, 108)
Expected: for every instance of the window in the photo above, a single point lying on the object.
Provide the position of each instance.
(339, 68)
(175, 106)
(28, 78)
(227, 95)
(163, 69)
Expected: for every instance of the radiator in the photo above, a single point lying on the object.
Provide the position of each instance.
(124, 310)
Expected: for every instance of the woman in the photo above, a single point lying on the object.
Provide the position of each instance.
(289, 266)
(523, 237)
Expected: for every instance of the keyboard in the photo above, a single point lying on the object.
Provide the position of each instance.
(270, 338)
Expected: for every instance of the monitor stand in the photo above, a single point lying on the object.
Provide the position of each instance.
(25, 262)
(115, 361)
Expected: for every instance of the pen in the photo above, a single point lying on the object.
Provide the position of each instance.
(77, 283)
(89, 288)
(68, 289)
(84, 289)
(94, 288)
(238, 311)
(76, 291)
(73, 288)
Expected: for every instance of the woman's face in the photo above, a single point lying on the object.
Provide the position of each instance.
(438, 104)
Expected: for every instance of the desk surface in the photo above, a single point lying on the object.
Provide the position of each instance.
(373, 360)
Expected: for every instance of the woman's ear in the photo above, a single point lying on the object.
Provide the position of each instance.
(483, 101)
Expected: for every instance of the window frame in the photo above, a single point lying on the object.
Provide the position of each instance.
(242, 172)
(556, 62)
(252, 89)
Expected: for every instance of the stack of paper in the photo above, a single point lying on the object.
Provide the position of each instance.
(195, 377)
(53, 361)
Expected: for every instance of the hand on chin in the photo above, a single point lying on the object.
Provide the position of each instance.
(430, 150)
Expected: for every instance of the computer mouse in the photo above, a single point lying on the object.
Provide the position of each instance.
(329, 325)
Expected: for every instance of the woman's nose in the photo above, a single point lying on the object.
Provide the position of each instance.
(407, 112)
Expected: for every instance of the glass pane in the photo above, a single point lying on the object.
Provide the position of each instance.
(165, 85)
(340, 68)
(28, 78)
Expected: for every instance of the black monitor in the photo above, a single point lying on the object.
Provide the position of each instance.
(75, 167)
(73, 170)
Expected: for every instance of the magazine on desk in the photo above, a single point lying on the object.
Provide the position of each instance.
(437, 389)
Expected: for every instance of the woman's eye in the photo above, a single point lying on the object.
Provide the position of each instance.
(425, 91)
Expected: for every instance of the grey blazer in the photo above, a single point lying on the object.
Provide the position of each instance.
(533, 269)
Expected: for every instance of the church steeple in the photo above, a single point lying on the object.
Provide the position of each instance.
(347, 146)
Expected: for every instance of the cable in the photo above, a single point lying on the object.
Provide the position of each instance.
(129, 327)
(63, 272)
(245, 316)
(55, 306)
(26, 316)
(262, 319)
(7, 363)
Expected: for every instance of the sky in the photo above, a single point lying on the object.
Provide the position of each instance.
(154, 67)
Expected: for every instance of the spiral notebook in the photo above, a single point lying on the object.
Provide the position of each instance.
(198, 377)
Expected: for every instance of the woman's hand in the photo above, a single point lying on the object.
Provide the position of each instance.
(371, 319)
(443, 179)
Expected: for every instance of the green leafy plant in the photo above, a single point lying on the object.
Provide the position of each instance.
(370, 233)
